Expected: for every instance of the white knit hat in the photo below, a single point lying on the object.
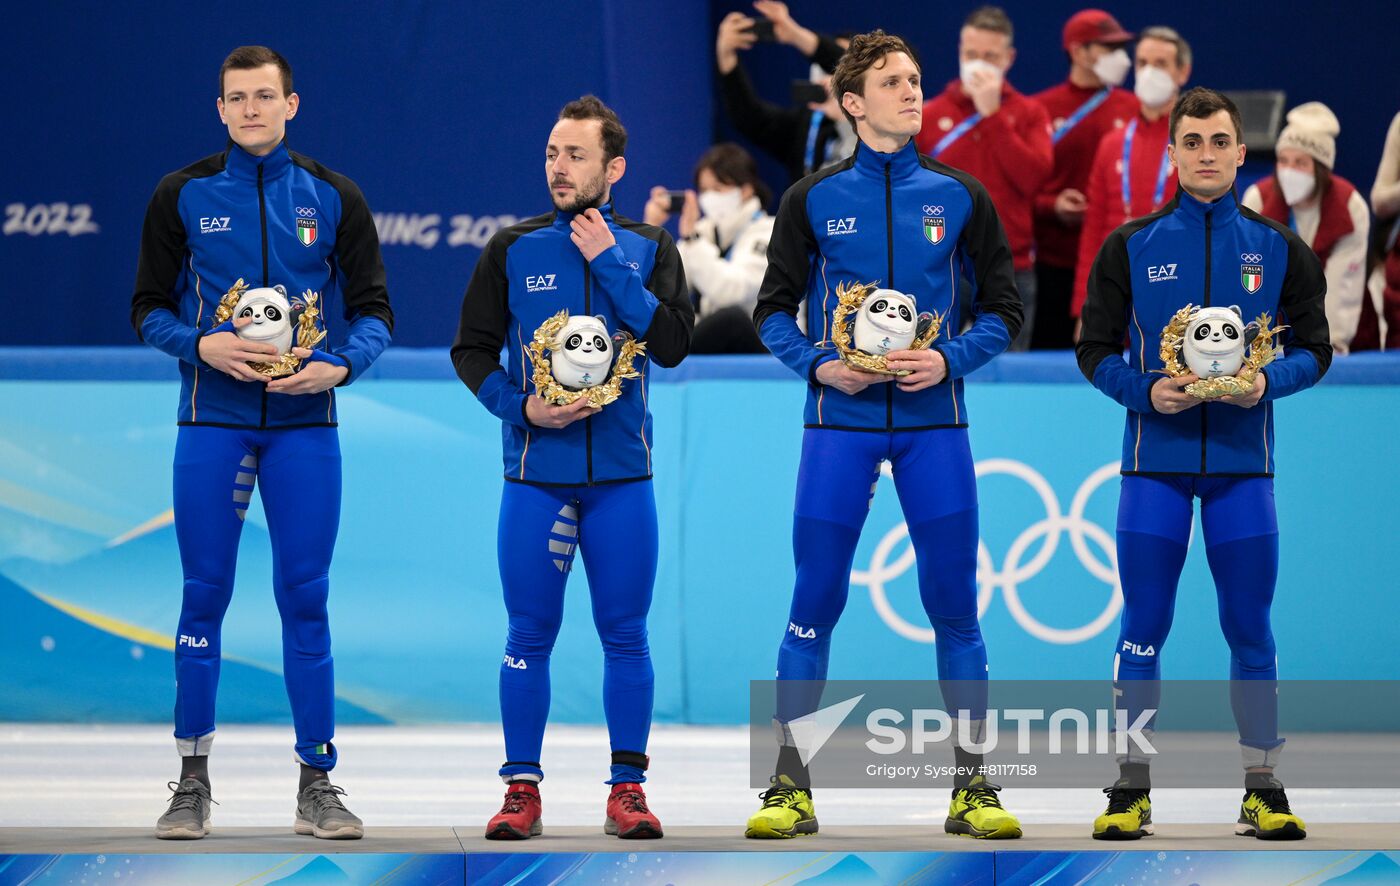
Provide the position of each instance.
(1312, 128)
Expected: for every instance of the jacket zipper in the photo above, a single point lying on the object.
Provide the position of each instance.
(889, 282)
(588, 422)
(1204, 424)
(262, 219)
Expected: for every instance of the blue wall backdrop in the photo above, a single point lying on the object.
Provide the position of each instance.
(440, 110)
(90, 576)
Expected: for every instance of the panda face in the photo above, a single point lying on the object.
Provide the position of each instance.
(269, 313)
(261, 313)
(1216, 334)
(584, 353)
(587, 348)
(1214, 342)
(886, 322)
(892, 313)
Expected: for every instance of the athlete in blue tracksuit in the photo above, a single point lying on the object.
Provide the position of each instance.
(884, 214)
(262, 213)
(577, 478)
(1203, 248)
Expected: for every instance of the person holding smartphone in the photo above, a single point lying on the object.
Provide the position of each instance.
(724, 229)
(812, 132)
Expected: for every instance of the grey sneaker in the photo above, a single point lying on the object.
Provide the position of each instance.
(320, 812)
(188, 815)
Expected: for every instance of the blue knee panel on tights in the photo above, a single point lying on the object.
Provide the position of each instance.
(541, 530)
(297, 474)
(1240, 527)
(935, 482)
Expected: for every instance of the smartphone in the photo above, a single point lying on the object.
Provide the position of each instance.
(805, 92)
(763, 30)
(677, 201)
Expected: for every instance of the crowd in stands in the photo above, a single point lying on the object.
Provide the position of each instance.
(1064, 167)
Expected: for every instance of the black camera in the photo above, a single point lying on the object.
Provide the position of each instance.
(762, 31)
(805, 92)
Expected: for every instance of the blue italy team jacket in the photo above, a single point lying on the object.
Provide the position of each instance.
(526, 274)
(280, 219)
(906, 222)
(1213, 255)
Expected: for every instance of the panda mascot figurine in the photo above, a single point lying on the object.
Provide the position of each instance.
(274, 317)
(1215, 341)
(887, 321)
(585, 353)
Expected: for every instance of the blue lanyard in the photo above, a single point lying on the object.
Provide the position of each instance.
(1078, 116)
(817, 117)
(1162, 171)
(958, 132)
(1292, 221)
(1394, 232)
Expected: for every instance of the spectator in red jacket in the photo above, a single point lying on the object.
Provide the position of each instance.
(1162, 67)
(1083, 109)
(983, 126)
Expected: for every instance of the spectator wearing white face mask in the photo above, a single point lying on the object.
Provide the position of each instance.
(1131, 174)
(1088, 105)
(724, 230)
(983, 126)
(1323, 208)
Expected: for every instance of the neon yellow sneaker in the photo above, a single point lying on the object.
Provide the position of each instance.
(1128, 816)
(976, 812)
(1264, 814)
(787, 811)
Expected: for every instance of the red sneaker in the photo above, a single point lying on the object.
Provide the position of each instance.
(628, 816)
(519, 818)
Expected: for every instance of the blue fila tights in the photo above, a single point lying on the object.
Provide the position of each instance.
(297, 474)
(933, 476)
(1240, 528)
(614, 527)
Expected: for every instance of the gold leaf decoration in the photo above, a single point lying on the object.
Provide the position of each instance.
(849, 298)
(546, 339)
(1261, 353)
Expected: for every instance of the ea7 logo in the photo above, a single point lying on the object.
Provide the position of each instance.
(1130, 646)
(801, 632)
(1161, 273)
(511, 661)
(837, 226)
(193, 642)
(213, 224)
(540, 283)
